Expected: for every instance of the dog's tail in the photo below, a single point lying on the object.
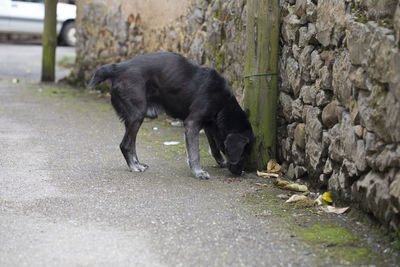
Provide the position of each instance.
(103, 73)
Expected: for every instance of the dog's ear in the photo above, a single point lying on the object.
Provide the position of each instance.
(234, 146)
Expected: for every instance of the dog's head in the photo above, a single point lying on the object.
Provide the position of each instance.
(237, 147)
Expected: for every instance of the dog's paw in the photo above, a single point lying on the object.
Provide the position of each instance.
(138, 167)
(143, 166)
(222, 164)
(202, 174)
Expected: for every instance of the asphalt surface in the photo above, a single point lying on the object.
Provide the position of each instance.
(23, 61)
(68, 199)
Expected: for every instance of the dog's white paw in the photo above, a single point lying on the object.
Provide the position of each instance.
(201, 174)
(138, 167)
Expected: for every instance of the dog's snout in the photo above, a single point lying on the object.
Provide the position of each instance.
(236, 169)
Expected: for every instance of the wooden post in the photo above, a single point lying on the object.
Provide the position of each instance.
(261, 77)
(49, 41)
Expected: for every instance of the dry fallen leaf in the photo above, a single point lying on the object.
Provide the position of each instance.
(296, 198)
(267, 174)
(259, 184)
(281, 183)
(318, 201)
(296, 187)
(327, 197)
(273, 166)
(331, 209)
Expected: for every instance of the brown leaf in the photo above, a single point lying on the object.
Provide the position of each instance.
(281, 183)
(273, 166)
(267, 174)
(331, 209)
(296, 187)
(297, 198)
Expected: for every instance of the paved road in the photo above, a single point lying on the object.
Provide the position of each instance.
(23, 61)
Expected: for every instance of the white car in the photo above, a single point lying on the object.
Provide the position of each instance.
(26, 16)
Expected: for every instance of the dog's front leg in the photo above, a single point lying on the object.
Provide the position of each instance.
(192, 130)
(214, 148)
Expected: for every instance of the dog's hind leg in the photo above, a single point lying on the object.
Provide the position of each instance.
(128, 146)
(132, 109)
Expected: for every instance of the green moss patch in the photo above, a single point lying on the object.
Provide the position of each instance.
(337, 244)
(327, 234)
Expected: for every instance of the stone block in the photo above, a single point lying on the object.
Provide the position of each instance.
(379, 113)
(358, 37)
(328, 167)
(394, 191)
(299, 171)
(290, 172)
(311, 12)
(214, 30)
(305, 62)
(341, 84)
(299, 135)
(323, 98)
(372, 192)
(373, 48)
(316, 65)
(329, 114)
(331, 21)
(290, 26)
(285, 102)
(304, 113)
(360, 156)
(290, 129)
(308, 94)
(336, 150)
(358, 78)
(326, 142)
(379, 9)
(396, 24)
(325, 76)
(348, 137)
(355, 117)
(297, 109)
(313, 139)
(298, 156)
(358, 130)
(292, 73)
(389, 157)
(394, 77)
(197, 50)
(350, 169)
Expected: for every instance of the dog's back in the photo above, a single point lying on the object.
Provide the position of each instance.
(168, 81)
(164, 67)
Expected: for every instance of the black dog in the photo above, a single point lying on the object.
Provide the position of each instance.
(197, 95)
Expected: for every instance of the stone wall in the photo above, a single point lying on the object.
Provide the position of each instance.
(209, 32)
(339, 117)
(339, 98)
